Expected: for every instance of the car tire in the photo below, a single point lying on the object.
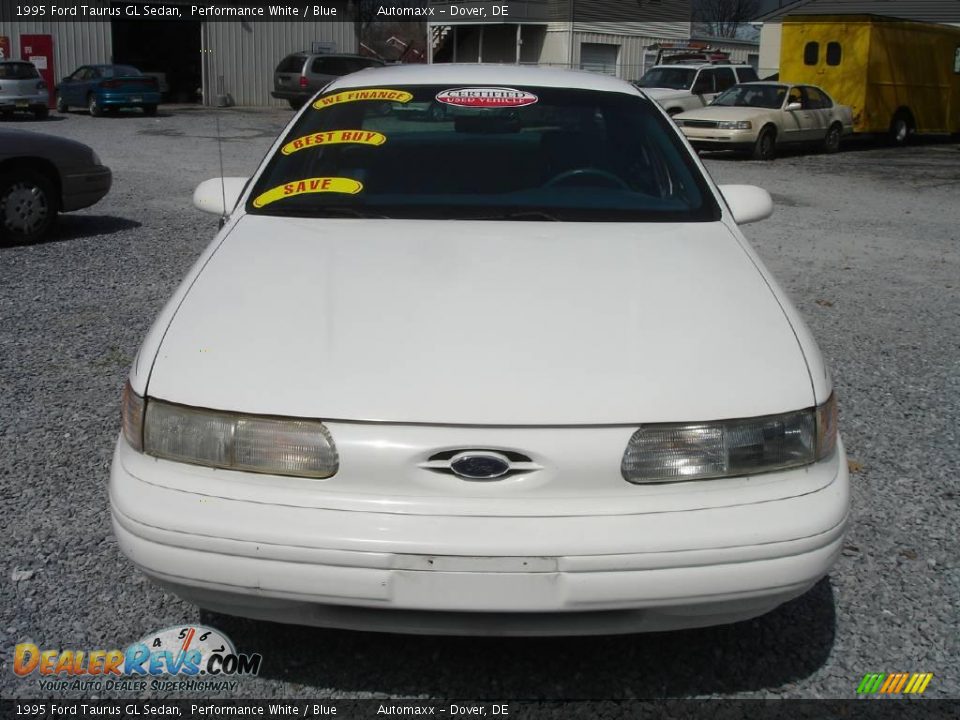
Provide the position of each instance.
(766, 145)
(901, 126)
(28, 206)
(93, 106)
(150, 110)
(62, 106)
(831, 142)
(295, 104)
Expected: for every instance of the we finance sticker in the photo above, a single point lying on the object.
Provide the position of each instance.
(334, 137)
(342, 185)
(381, 94)
(486, 97)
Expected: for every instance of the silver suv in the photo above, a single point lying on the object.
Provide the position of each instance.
(683, 86)
(22, 89)
(300, 75)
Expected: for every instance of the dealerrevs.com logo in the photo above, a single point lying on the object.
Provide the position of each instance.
(191, 657)
(894, 683)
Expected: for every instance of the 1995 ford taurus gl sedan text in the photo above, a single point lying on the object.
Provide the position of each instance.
(510, 367)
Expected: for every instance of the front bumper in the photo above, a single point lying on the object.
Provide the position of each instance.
(83, 188)
(715, 139)
(401, 571)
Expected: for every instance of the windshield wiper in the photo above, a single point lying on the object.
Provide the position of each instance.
(347, 212)
(520, 215)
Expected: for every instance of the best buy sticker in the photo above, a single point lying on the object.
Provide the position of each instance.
(343, 185)
(334, 137)
(400, 96)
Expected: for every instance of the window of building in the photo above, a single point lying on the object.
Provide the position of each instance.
(811, 53)
(834, 53)
(599, 57)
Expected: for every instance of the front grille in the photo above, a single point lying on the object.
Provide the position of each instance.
(439, 462)
(700, 123)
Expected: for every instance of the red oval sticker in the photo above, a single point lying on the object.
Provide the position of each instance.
(486, 97)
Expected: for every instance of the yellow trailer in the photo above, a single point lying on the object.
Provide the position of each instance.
(899, 77)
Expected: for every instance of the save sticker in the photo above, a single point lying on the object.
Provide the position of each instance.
(334, 137)
(400, 96)
(343, 185)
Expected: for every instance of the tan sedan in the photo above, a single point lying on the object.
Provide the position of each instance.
(759, 117)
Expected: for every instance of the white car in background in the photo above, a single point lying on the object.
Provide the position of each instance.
(684, 86)
(758, 118)
(517, 372)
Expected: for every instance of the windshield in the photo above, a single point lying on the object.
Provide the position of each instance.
(483, 153)
(758, 96)
(676, 78)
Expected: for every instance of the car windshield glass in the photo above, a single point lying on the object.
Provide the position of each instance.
(18, 71)
(677, 78)
(109, 71)
(758, 96)
(483, 153)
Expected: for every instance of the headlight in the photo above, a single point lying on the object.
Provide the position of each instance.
(734, 125)
(278, 446)
(729, 448)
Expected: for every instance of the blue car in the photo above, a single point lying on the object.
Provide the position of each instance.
(108, 87)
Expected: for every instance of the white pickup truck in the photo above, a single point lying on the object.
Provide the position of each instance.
(679, 87)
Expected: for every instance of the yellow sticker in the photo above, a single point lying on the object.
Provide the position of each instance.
(309, 185)
(334, 137)
(400, 96)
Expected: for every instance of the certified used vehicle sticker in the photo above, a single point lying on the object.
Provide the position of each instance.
(343, 185)
(486, 97)
(400, 96)
(334, 137)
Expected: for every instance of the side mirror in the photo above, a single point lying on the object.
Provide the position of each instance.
(793, 107)
(212, 197)
(747, 203)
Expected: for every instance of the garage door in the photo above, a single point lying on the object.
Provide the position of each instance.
(599, 57)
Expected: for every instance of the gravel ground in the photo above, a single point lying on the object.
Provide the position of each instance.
(866, 242)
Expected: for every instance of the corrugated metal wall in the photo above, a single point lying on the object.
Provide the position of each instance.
(74, 44)
(245, 54)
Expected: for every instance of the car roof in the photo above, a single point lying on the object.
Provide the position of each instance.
(696, 65)
(463, 74)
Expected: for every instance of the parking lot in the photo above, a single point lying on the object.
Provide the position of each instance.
(867, 243)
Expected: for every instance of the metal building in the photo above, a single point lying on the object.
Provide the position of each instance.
(197, 60)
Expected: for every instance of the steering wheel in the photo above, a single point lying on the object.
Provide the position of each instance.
(585, 172)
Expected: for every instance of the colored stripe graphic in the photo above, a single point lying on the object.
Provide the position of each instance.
(894, 683)
(870, 683)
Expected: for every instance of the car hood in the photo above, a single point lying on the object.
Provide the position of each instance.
(664, 93)
(481, 322)
(716, 112)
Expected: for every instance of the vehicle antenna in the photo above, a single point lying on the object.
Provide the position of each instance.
(223, 189)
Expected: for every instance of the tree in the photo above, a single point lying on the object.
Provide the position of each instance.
(723, 18)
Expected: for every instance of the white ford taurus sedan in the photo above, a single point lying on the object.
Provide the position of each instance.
(510, 367)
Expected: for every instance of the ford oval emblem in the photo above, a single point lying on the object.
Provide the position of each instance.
(480, 465)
